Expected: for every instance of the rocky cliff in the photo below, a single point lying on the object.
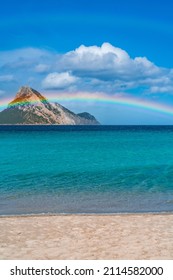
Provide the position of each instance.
(31, 107)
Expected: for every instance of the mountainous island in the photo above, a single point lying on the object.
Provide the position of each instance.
(31, 107)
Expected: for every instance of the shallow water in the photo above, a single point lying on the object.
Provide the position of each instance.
(86, 169)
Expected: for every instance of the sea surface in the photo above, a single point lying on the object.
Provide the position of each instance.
(86, 169)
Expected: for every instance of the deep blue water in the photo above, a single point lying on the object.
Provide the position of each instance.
(86, 169)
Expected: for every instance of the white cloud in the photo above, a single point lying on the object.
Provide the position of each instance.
(22, 54)
(104, 68)
(161, 89)
(42, 68)
(23, 64)
(108, 68)
(6, 78)
(24, 58)
(107, 62)
(59, 80)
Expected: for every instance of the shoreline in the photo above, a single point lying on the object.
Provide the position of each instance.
(74, 237)
(84, 214)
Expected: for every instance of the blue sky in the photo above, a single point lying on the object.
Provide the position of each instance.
(111, 47)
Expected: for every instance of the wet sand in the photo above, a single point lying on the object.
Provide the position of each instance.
(132, 236)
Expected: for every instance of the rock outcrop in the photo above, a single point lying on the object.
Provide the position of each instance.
(31, 107)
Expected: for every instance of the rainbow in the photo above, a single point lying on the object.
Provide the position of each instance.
(103, 98)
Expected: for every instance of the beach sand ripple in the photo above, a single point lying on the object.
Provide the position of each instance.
(132, 236)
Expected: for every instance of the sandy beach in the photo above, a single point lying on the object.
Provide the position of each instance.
(132, 236)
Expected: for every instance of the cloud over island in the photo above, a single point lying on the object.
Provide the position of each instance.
(104, 68)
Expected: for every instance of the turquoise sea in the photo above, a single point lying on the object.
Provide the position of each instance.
(86, 169)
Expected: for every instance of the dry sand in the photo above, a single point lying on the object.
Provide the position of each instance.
(136, 236)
